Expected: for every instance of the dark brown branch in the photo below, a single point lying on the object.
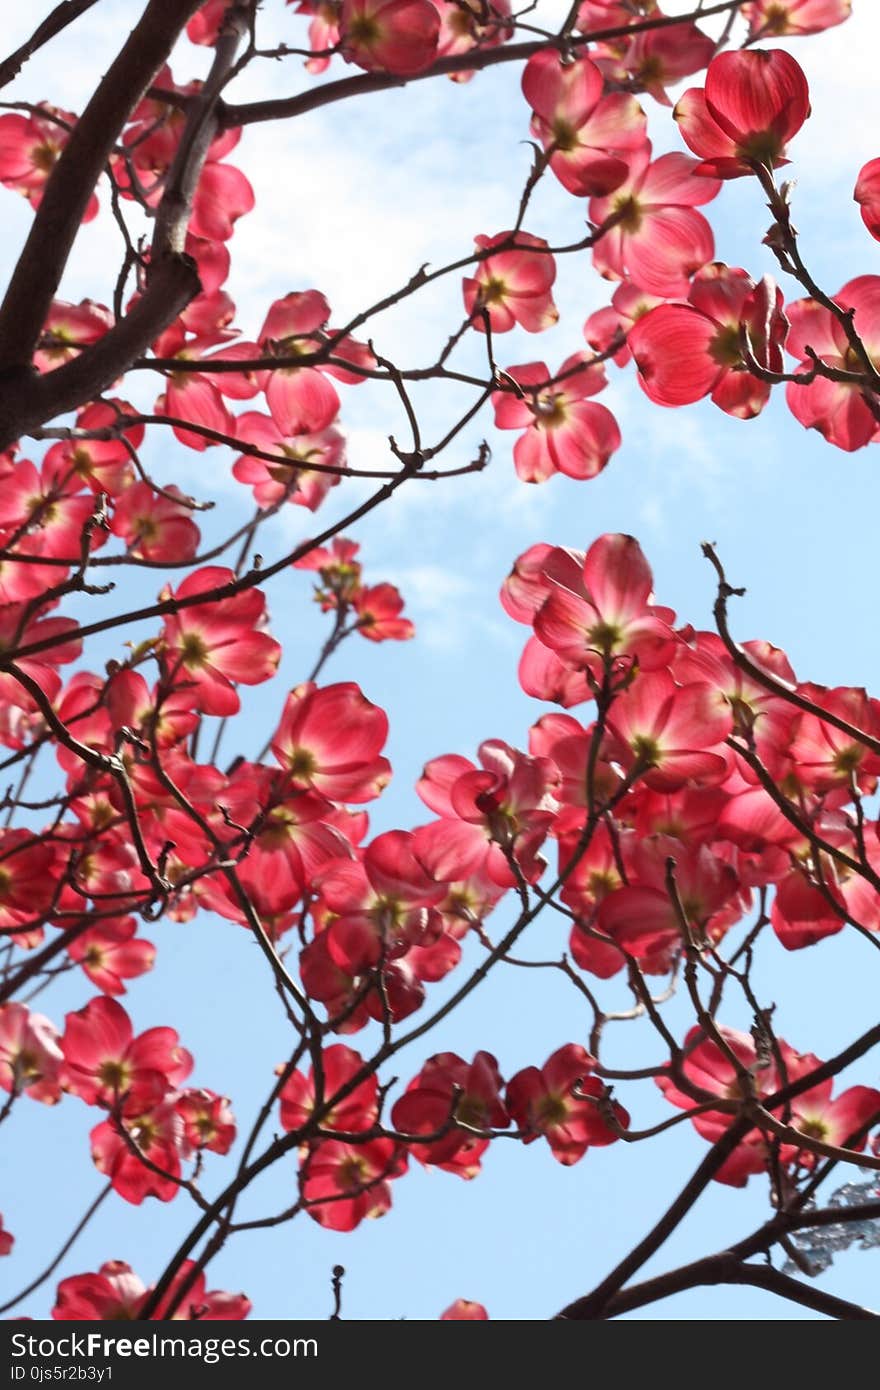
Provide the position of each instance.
(58, 219)
(474, 60)
(776, 687)
(61, 16)
(593, 1305)
(726, 1269)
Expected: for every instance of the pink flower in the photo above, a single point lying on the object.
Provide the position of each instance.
(378, 609)
(640, 915)
(155, 525)
(208, 1122)
(209, 646)
(867, 195)
(674, 733)
(779, 18)
(837, 409)
(380, 906)
(565, 433)
(463, 1310)
(110, 953)
(467, 24)
(506, 807)
(558, 1101)
(660, 240)
(344, 1184)
(30, 147)
(329, 740)
(68, 329)
(514, 285)
(356, 1111)
(606, 611)
(205, 24)
(293, 476)
(116, 1294)
(398, 36)
(447, 1086)
(105, 1064)
(590, 137)
(30, 1056)
(301, 399)
(655, 59)
(156, 1130)
(687, 351)
(754, 102)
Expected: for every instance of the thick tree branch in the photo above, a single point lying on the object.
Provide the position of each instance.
(727, 1269)
(41, 264)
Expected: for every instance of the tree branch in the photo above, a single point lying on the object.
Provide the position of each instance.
(474, 60)
(61, 16)
(41, 264)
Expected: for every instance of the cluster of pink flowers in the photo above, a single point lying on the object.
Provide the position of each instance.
(677, 764)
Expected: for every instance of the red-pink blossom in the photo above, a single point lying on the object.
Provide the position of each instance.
(210, 645)
(115, 1294)
(467, 24)
(687, 351)
(513, 285)
(110, 953)
(301, 399)
(755, 100)
(609, 326)
(30, 1055)
(68, 329)
(339, 1066)
(381, 905)
(156, 1131)
(837, 409)
(867, 195)
(671, 734)
(397, 36)
(343, 1184)
(378, 608)
(506, 807)
(780, 18)
(293, 478)
(563, 1102)
(658, 239)
(564, 432)
(30, 147)
(589, 136)
(642, 917)
(105, 1064)
(205, 24)
(156, 525)
(208, 1122)
(329, 739)
(654, 59)
(606, 612)
(104, 465)
(463, 1310)
(448, 1089)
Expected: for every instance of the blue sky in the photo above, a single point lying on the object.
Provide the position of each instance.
(351, 200)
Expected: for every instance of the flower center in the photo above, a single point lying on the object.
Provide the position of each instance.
(301, 762)
(194, 651)
(113, 1074)
(629, 213)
